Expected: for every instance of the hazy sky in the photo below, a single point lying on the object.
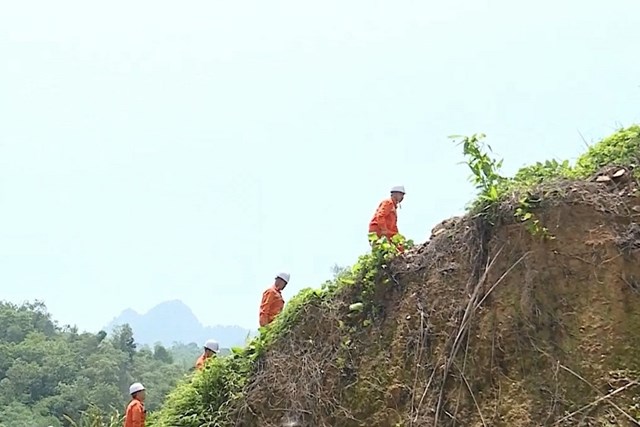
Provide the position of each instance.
(153, 150)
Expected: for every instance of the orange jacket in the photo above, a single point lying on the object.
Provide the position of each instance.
(385, 220)
(201, 360)
(271, 305)
(135, 414)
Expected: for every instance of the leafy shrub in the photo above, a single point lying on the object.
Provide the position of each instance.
(620, 149)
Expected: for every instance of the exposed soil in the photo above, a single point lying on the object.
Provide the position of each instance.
(484, 325)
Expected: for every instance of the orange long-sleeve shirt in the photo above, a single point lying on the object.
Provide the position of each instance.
(385, 220)
(135, 414)
(271, 305)
(201, 360)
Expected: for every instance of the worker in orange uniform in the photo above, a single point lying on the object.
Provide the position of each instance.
(385, 221)
(272, 302)
(135, 415)
(211, 349)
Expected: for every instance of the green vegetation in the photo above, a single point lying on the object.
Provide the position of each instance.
(209, 397)
(184, 355)
(485, 171)
(50, 375)
(493, 187)
(94, 417)
(619, 149)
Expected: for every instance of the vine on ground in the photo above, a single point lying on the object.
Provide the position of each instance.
(367, 272)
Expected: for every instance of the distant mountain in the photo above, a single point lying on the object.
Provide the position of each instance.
(173, 321)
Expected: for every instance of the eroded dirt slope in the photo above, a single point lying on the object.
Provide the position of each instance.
(483, 325)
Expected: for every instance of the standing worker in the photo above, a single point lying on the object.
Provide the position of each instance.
(385, 221)
(135, 415)
(211, 348)
(272, 302)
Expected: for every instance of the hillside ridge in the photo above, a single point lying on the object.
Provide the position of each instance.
(524, 312)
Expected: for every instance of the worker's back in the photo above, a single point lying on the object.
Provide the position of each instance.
(385, 219)
(135, 414)
(271, 305)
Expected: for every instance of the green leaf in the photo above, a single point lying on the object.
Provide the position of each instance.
(358, 306)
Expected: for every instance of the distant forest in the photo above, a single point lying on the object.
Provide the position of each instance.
(49, 372)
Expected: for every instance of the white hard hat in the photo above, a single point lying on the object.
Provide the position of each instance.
(283, 276)
(212, 345)
(398, 189)
(135, 387)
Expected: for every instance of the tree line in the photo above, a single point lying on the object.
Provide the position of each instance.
(52, 374)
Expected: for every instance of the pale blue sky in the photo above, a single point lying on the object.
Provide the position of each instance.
(160, 150)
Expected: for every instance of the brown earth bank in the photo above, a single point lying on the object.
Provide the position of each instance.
(484, 325)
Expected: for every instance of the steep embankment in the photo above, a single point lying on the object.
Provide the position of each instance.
(526, 312)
